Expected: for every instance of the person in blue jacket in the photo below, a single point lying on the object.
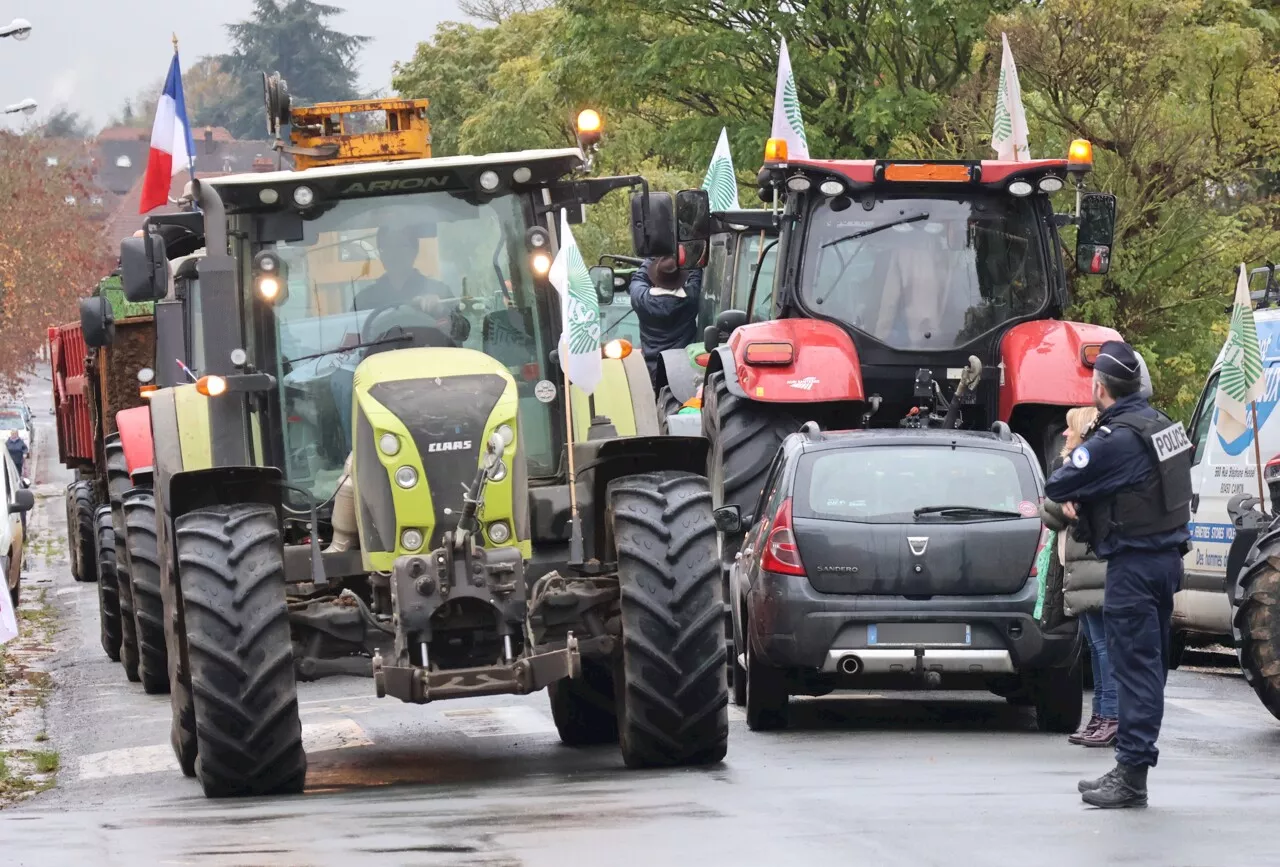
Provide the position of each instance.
(665, 298)
(1128, 488)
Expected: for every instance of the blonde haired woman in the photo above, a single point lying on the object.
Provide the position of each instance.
(1084, 577)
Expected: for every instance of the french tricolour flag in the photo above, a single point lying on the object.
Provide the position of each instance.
(172, 149)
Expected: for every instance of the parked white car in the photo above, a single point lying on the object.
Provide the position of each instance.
(18, 501)
(16, 416)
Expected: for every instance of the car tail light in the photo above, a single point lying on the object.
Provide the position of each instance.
(770, 353)
(781, 554)
(1044, 540)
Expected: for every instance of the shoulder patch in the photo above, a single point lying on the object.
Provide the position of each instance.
(1080, 458)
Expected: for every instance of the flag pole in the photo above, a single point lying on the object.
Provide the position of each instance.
(1257, 452)
(575, 525)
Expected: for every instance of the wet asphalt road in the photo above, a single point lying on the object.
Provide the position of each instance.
(942, 779)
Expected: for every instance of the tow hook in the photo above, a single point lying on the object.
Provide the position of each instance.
(927, 679)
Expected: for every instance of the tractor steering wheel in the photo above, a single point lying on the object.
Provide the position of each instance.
(409, 319)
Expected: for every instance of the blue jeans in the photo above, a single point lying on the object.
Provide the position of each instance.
(1104, 679)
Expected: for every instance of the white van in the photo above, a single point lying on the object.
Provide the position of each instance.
(1222, 469)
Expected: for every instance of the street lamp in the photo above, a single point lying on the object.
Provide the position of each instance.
(27, 106)
(18, 28)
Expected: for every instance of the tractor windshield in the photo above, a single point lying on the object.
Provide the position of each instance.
(925, 273)
(376, 274)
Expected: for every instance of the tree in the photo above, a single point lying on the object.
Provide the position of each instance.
(497, 11)
(211, 92)
(866, 71)
(64, 123)
(290, 37)
(51, 252)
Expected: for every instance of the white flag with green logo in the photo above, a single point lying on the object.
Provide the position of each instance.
(1241, 382)
(1009, 137)
(787, 123)
(579, 313)
(720, 183)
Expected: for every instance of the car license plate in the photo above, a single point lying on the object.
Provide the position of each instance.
(913, 634)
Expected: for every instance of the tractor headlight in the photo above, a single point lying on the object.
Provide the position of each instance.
(411, 539)
(508, 435)
(303, 197)
(499, 532)
(498, 472)
(406, 477)
(389, 444)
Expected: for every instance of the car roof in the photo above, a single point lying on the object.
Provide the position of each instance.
(836, 440)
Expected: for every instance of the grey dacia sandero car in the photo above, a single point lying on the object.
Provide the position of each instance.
(897, 559)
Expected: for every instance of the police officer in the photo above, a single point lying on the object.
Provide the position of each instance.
(1128, 486)
(665, 298)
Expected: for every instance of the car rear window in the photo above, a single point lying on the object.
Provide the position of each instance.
(886, 484)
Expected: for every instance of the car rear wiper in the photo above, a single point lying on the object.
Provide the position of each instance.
(966, 510)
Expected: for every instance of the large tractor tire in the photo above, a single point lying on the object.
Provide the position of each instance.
(745, 437)
(73, 544)
(585, 710)
(249, 736)
(182, 729)
(673, 699)
(1257, 621)
(667, 405)
(84, 533)
(108, 589)
(144, 590)
(117, 483)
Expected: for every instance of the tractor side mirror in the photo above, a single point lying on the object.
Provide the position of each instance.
(602, 278)
(693, 227)
(653, 227)
(728, 519)
(23, 501)
(726, 323)
(97, 321)
(144, 267)
(1096, 233)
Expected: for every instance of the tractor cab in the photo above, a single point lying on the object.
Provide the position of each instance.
(919, 285)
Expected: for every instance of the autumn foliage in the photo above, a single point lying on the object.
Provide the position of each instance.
(51, 251)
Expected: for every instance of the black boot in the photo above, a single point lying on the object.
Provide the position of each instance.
(1125, 787)
(1093, 785)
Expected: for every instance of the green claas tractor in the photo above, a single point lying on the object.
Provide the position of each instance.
(375, 472)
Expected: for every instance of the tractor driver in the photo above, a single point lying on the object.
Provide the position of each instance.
(401, 283)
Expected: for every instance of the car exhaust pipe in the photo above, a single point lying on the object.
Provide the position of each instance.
(850, 665)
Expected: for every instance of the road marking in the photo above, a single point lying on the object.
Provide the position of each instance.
(491, 722)
(129, 761)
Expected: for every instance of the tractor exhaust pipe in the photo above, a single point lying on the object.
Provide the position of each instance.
(850, 665)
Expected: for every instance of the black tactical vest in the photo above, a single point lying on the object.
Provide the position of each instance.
(1161, 504)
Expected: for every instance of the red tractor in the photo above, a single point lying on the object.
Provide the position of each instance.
(907, 293)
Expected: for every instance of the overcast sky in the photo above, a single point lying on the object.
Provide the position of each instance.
(91, 55)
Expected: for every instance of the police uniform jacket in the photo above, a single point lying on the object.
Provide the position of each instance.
(1112, 464)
